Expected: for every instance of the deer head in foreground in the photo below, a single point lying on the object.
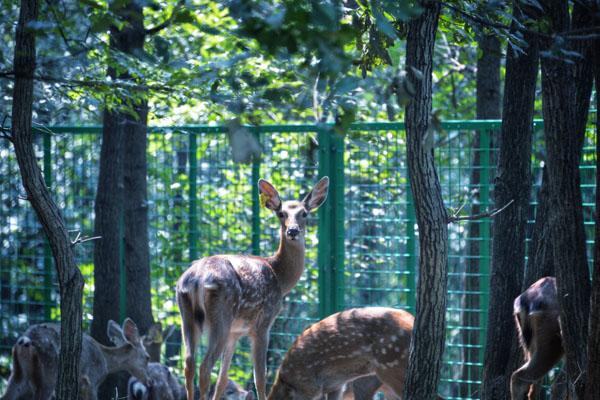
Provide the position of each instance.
(234, 295)
(343, 347)
(35, 361)
(538, 326)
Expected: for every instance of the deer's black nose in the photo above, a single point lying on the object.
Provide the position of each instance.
(293, 231)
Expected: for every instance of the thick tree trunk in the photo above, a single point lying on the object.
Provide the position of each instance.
(427, 345)
(69, 277)
(488, 107)
(108, 225)
(125, 177)
(513, 182)
(564, 108)
(137, 252)
(592, 386)
(540, 261)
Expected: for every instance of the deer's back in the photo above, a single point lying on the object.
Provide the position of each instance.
(537, 314)
(350, 344)
(245, 283)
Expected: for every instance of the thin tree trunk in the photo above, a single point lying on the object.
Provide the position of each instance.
(513, 182)
(427, 345)
(69, 277)
(488, 107)
(564, 108)
(592, 386)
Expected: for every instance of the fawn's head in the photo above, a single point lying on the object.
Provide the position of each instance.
(129, 340)
(293, 214)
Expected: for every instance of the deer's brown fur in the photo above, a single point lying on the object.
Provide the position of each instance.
(537, 320)
(230, 296)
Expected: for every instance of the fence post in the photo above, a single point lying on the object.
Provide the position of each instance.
(324, 247)
(338, 232)
(484, 249)
(255, 202)
(193, 210)
(47, 144)
(331, 223)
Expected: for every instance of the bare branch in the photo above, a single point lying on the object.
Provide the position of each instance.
(80, 239)
(489, 214)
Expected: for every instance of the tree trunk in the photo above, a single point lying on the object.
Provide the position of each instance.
(69, 277)
(137, 251)
(427, 345)
(108, 225)
(488, 107)
(564, 108)
(125, 194)
(513, 182)
(592, 386)
(540, 261)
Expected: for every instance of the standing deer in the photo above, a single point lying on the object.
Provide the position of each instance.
(538, 325)
(234, 295)
(345, 346)
(35, 361)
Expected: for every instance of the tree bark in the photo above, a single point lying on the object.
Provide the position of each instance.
(124, 188)
(592, 385)
(540, 261)
(565, 115)
(427, 345)
(488, 107)
(108, 225)
(69, 277)
(513, 182)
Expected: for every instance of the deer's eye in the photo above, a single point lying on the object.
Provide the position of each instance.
(281, 214)
(304, 214)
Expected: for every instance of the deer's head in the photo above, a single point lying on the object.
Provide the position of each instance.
(128, 339)
(293, 214)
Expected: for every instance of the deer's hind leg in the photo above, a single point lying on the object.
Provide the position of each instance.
(225, 363)
(191, 330)
(218, 325)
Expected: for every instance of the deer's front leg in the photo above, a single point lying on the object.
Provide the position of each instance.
(260, 343)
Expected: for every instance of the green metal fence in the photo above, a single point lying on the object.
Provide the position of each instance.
(361, 247)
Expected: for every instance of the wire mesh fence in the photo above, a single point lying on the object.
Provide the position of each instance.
(362, 246)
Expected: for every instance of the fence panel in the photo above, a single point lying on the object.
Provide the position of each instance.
(362, 246)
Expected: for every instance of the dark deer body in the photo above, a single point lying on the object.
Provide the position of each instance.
(35, 361)
(538, 324)
(343, 347)
(230, 296)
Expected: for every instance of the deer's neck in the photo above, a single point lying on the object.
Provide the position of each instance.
(116, 357)
(288, 262)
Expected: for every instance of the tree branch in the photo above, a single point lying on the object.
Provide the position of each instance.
(489, 214)
(166, 23)
(570, 35)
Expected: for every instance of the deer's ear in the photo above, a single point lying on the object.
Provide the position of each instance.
(130, 331)
(115, 333)
(269, 196)
(318, 195)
